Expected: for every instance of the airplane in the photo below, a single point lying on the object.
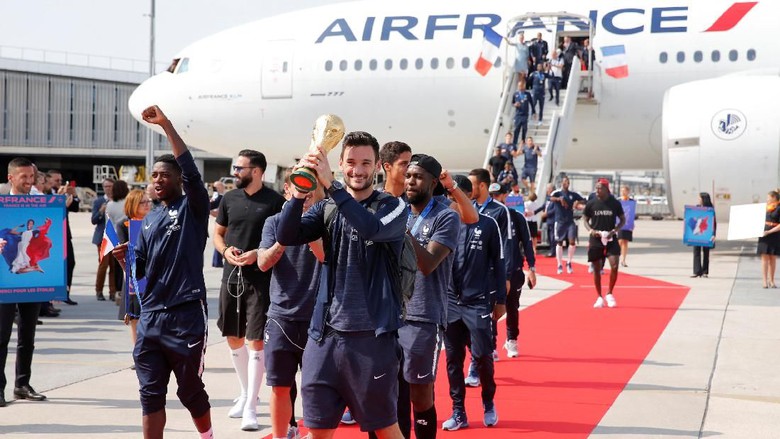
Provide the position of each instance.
(700, 99)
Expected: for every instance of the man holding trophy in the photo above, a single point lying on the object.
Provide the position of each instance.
(352, 357)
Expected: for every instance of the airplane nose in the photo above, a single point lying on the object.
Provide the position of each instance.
(148, 93)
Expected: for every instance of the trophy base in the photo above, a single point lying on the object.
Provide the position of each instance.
(303, 181)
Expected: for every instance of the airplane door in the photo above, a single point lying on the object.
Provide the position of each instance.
(277, 72)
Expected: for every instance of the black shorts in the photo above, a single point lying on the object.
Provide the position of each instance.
(421, 343)
(533, 227)
(627, 235)
(249, 320)
(172, 340)
(597, 251)
(355, 370)
(284, 341)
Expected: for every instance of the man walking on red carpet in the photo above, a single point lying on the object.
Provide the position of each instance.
(600, 218)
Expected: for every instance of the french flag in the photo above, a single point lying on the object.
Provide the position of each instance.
(110, 240)
(490, 46)
(613, 58)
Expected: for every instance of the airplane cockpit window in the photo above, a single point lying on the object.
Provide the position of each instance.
(171, 68)
(715, 55)
(663, 57)
(698, 56)
(418, 63)
(465, 62)
(751, 55)
(733, 55)
(450, 63)
(498, 62)
(328, 65)
(184, 66)
(680, 56)
(388, 64)
(343, 65)
(372, 64)
(403, 64)
(434, 63)
(358, 65)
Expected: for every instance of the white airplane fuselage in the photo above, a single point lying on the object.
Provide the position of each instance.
(262, 85)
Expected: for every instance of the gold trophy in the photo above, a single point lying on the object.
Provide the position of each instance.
(327, 133)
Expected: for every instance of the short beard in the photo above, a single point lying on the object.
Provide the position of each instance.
(368, 184)
(418, 197)
(244, 182)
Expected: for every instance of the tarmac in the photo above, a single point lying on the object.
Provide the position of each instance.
(712, 373)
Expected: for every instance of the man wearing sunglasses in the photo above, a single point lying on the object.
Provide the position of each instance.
(244, 295)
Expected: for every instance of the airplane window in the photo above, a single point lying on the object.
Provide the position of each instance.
(403, 64)
(465, 62)
(663, 57)
(418, 63)
(434, 63)
(450, 63)
(358, 65)
(372, 64)
(751, 55)
(284, 67)
(715, 56)
(184, 65)
(388, 64)
(328, 65)
(498, 62)
(733, 55)
(343, 65)
(697, 56)
(680, 56)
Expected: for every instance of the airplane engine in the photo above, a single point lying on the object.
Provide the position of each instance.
(722, 136)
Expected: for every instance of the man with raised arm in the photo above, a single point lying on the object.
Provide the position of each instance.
(173, 327)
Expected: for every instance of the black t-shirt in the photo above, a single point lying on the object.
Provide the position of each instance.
(603, 214)
(497, 164)
(244, 216)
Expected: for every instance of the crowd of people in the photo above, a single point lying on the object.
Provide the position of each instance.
(314, 280)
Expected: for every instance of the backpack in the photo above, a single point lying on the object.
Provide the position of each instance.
(403, 270)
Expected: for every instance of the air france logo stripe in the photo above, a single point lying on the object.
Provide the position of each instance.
(731, 17)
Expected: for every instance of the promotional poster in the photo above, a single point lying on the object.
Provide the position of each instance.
(33, 262)
(135, 286)
(629, 210)
(699, 226)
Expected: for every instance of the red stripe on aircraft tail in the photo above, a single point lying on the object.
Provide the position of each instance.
(731, 17)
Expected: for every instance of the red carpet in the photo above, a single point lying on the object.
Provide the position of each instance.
(574, 360)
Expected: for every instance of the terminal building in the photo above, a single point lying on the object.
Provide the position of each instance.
(69, 112)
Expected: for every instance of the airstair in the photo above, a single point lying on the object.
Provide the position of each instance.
(553, 135)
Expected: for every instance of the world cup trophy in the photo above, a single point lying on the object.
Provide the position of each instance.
(327, 133)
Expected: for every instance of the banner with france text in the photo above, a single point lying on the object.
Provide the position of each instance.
(33, 250)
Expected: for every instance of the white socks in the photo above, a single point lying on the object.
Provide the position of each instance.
(207, 434)
(240, 359)
(572, 248)
(559, 254)
(255, 374)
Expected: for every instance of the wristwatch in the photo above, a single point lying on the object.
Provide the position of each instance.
(334, 186)
(532, 269)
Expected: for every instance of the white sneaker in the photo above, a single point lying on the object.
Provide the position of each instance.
(569, 269)
(495, 355)
(249, 420)
(599, 303)
(293, 433)
(560, 269)
(511, 348)
(611, 301)
(238, 408)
